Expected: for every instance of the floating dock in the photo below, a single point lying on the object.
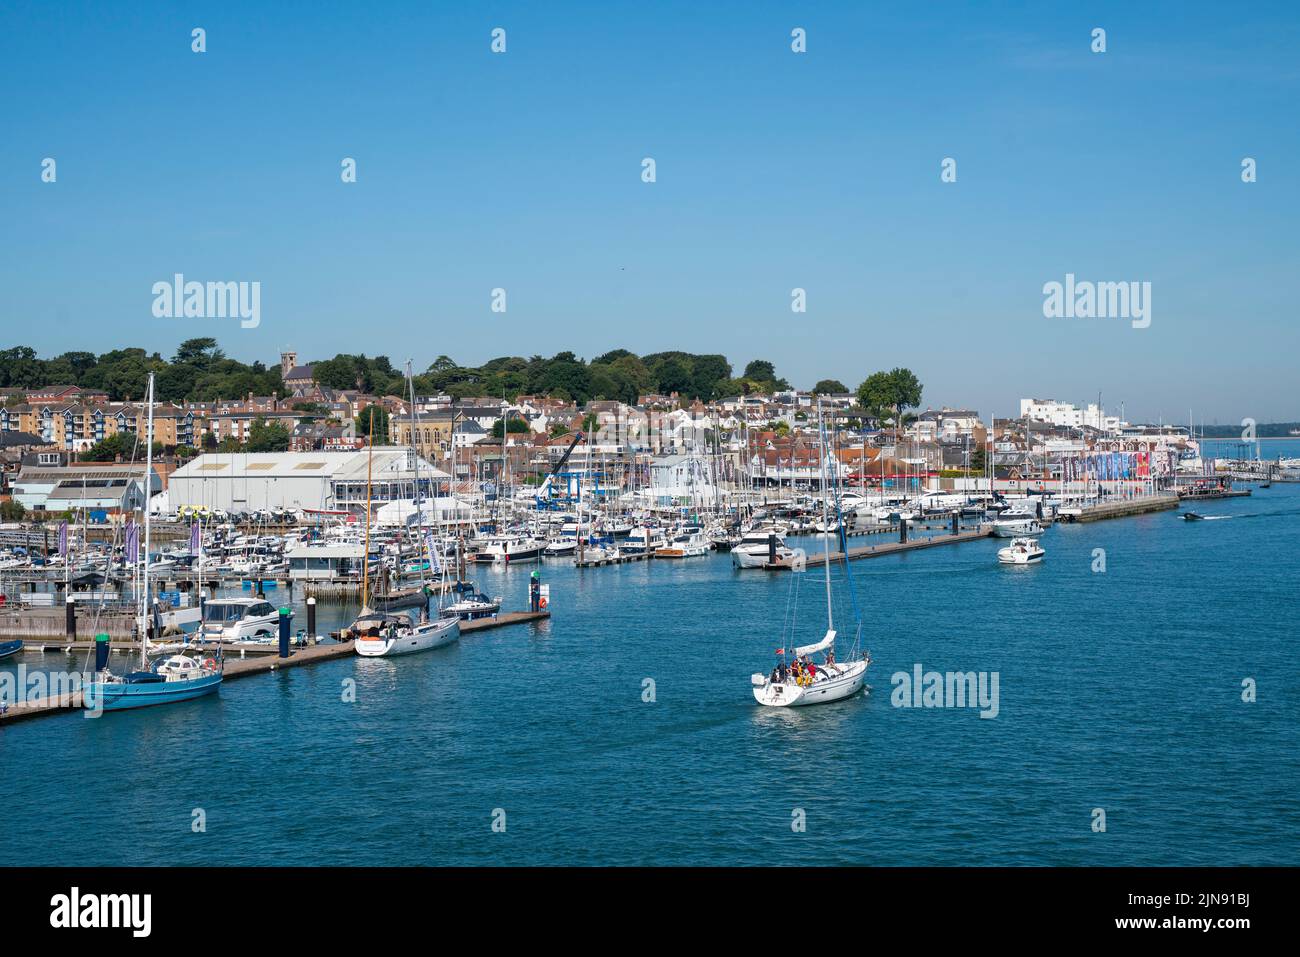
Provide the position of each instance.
(887, 548)
(1121, 509)
(243, 667)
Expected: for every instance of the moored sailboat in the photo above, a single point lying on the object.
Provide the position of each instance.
(384, 635)
(174, 678)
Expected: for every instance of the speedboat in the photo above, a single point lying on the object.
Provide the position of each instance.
(1016, 525)
(1021, 551)
(560, 547)
(10, 648)
(690, 543)
(237, 619)
(399, 635)
(645, 540)
(1193, 517)
(510, 548)
(762, 546)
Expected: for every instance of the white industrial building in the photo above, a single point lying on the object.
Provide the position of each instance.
(332, 481)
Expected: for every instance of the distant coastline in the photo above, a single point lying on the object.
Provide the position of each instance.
(1267, 430)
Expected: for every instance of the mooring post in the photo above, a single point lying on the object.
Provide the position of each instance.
(285, 617)
(902, 530)
(311, 617)
(70, 614)
(101, 652)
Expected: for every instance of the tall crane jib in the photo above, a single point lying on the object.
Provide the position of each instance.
(544, 490)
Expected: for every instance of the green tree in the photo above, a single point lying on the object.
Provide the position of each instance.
(830, 387)
(12, 510)
(123, 444)
(893, 392)
(200, 353)
(266, 436)
(514, 426)
(380, 421)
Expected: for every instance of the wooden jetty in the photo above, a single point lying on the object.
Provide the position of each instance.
(887, 548)
(261, 664)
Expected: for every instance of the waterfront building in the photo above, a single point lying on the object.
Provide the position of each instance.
(317, 481)
(93, 486)
(1070, 416)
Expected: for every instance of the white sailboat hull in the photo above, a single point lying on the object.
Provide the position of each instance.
(848, 681)
(435, 634)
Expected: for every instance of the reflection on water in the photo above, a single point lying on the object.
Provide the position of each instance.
(1118, 690)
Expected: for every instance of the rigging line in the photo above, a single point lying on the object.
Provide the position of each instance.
(844, 545)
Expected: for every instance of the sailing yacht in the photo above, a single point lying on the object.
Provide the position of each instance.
(383, 635)
(174, 678)
(808, 682)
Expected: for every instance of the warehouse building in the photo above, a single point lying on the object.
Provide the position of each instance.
(313, 482)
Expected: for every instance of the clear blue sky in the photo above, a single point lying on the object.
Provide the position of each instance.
(775, 170)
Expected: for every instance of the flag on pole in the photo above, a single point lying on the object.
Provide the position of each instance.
(131, 550)
(63, 538)
(433, 553)
(196, 539)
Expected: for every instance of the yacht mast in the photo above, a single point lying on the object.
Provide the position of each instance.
(826, 522)
(365, 555)
(148, 487)
(419, 505)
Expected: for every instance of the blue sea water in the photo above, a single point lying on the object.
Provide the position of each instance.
(1118, 689)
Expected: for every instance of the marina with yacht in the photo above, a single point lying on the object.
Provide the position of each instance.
(460, 565)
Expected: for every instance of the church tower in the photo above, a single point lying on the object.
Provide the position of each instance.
(288, 360)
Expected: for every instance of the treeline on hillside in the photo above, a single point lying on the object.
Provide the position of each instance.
(619, 374)
(199, 371)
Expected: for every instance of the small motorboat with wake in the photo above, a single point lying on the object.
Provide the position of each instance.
(1193, 517)
(1021, 551)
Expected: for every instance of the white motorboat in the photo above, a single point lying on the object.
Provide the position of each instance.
(399, 635)
(643, 540)
(1016, 525)
(560, 547)
(236, 619)
(510, 548)
(761, 546)
(691, 543)
(1021, 551)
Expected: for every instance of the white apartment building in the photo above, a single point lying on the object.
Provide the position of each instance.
(1070, 416)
